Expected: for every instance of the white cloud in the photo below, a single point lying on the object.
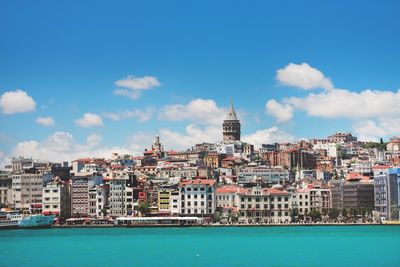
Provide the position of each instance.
(128, 93)
(61, 146)
(203, 111)
(193, 135)
(303, 76)
(17, 101)
(93, 140)
(373, 130)
(282, 112)
(139, 115)
(131, 86)
(369, 131)
(45, 121)
(89, 120)
(268, 136)
(341, 103)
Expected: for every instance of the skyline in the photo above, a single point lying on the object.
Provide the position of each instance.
(94, 79)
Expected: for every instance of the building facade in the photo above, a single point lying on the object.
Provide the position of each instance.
(197, 197)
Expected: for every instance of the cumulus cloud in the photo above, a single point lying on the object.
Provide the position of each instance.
(89, 120)
(193, 135)
(45, 121)
(281, 112)
(93, 140)
(268, 136)
(17, 101)
(61, 146)
(373, 130)
(303, 76)
(138, 114)
(132, 86)
(341, 103)
(204, 111)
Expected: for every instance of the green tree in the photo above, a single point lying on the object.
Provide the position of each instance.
(333, 214)
(143, 208)
(344, 213)
(315, 215)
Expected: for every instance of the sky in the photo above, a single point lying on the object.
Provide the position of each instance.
(87, 78)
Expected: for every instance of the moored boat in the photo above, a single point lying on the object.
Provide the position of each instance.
(10, 219)
(36, 221)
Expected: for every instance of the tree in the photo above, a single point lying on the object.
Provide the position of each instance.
(143, 208)
(333, 214)
(344, 213)
(315, 215)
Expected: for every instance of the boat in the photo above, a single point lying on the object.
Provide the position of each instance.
(10, 219)
(36, 221)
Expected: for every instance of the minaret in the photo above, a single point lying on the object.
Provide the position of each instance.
(231, 126)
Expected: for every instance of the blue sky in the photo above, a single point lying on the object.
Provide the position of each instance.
(67, 56)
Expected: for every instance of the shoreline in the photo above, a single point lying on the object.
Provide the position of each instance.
(222, 225)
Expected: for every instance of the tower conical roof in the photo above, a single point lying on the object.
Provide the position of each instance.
(231, 116)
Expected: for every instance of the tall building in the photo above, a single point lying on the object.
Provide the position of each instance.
(27, 191)
(231, 126)
(387, 192)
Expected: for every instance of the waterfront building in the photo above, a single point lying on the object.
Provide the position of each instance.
(174, 201)
(117, 196)
(301, 201)
(27, 191)
(57, 199)
(351, 194)
(227, 196)
(197, 197)
(320, 199)
(264, 205)
(79, 196)
(164, 198)
(387, 192)
(5, 189)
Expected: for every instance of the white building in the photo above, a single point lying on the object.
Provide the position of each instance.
(227, 196)
(301, 201)
(175, 207)
(197, 197)
(57, 199)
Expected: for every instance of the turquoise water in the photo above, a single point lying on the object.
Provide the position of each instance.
(236, 246)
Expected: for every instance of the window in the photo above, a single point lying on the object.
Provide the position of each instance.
(286, 206)
(286, 199)
(242, 206)
(242, 199)
(258, 206)
(189, 189)
(249, 206)
(279, 199)
(257, 199)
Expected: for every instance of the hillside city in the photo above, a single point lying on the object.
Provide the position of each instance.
(335, 179)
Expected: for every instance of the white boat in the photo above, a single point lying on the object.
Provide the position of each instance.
(36, 221)
(10, 219)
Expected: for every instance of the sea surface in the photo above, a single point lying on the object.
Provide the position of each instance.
(211, 246)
